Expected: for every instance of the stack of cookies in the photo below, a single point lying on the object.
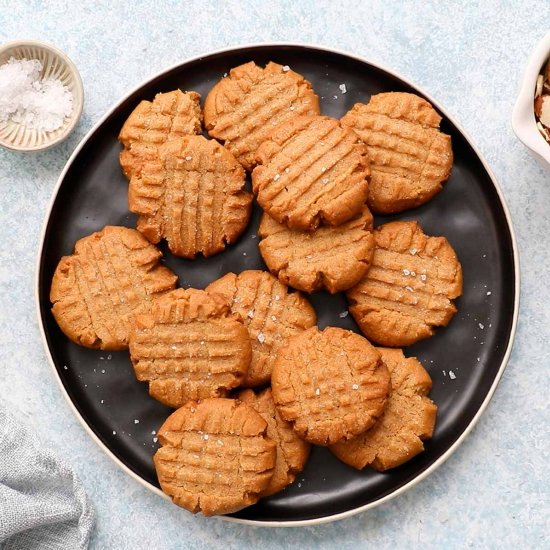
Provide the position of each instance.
(253, 380)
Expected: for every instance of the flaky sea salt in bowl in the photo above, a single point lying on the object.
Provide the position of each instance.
(41, 96)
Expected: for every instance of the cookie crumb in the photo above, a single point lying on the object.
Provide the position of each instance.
(343, 315)
(452, 375)
(343, 88)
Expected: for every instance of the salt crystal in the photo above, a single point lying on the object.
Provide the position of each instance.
(101, 401)
(250, 314)
(65, 367)
(286, 68)
(155, 439)
(202, 342)
(136, 421)
(224, 75)
(220, 442)
(287, 170)
(489, 293)
(422, 277)
(114, 432)
(410, 289)
(153, 432)
(261, 337)
(323, 169)
(452, 375)
(343, 88)
(244, 253)
(276, 177)
(413, 274)
(102, 371)
(28, 99)
(292, 107)
(406, 272)
(196, 457)
(335, 97)
(205, 437)
(189, 158)
(343, 315)
(355, 387)
(325, 180)
(273, 318)
(481, 326)
(109, 357)
(277, 297)
(413, 251)
(317, 391)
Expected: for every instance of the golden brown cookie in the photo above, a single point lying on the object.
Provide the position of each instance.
(333, 258)
(311, 170)
(409, 157)
(242, 108)
(409, 287)
(408, 419)
(112, 276)
(169, 115)
(192, 195)
(292, 452)
(269, 311)
(215, 456)
(190, 347)
(330, 385)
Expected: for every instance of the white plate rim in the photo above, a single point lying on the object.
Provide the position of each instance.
(483, 406)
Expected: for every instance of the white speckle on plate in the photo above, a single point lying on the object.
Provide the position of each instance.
(136, 421)
(343, 315)
(452, 375)
(114, 432)
(488, 293)
(481, 326)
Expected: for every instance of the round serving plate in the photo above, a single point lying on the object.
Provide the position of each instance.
(465, 359)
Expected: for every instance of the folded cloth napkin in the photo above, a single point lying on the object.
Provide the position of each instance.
(42, 503)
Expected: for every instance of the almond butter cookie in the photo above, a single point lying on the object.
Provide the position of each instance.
(242, 108)
(169, 115)
(409, 156)
(409, 288)
(215, 456)
(193, 196)
(407, 421)
(270, 312)
(330, 258)
(112, 276)
(292, 452)
(311, 170)
(330, 385)
(190, 347)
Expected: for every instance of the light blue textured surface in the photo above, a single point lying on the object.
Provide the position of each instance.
(493, 492)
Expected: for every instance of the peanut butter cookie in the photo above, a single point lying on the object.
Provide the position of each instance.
(192, 195)
(112, 276)
(169, 115)
(330, 385)
(408, 419)
(190, 347)
(312, 170)
(333, 258)
(409, 157)
(270, 313)
(242, 108)
(215, 456)
(409, 287)
(292, 452)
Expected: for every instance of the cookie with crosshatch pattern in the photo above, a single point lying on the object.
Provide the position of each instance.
(330, 258)
(192, 194)
(292, 451)
(407, 421)
(190, 347)
(410, 157)
(152, 123)
(409, 288)
(112, 276)
(243, 107)
(270, 312)
(215, 456)
(331, 385)
(311, 170)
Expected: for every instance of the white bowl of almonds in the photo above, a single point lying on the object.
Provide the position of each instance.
(41, 96)
(531, 115)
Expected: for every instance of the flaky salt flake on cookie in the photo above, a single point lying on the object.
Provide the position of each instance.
(170, 115)
(407, 421)
(190, 347)
(112, 276)
(269, 311)
(330, 385)
(410, 158)
(215, 456)
(292, 451)
(193, 196)
(242, 109)
(409, 288)
(312, 170)
(330, 258)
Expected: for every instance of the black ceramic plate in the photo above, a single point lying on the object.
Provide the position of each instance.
(465, 359)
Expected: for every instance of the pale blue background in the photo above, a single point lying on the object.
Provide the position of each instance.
(493, 493)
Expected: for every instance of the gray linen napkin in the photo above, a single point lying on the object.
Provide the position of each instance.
(43, 505)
